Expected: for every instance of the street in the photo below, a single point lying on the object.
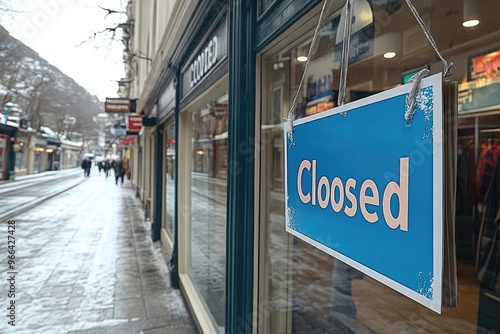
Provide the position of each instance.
(83, 261)
(30, 190)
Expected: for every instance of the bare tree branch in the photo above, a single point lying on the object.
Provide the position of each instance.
(112, 30)
(111, 11)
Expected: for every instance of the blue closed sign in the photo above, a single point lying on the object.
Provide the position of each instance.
(366, 188)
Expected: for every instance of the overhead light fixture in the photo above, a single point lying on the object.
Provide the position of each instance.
(470, 23)
(302, 58)
(471, 18)
(389, 55)
(388, 45)
(302, 51)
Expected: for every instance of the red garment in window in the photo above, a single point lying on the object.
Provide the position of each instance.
(485, 172)
(471, 185)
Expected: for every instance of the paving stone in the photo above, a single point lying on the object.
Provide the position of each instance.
(130, 308)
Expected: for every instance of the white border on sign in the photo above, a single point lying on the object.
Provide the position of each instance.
(437, 135)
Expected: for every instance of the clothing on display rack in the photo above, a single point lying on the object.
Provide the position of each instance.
(488, 243)
(488, 251)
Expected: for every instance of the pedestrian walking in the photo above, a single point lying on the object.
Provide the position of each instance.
(86, 165)
(119, 171)
(100, 165)
(107, 167)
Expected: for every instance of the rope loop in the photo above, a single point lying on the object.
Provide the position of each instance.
(411, 99)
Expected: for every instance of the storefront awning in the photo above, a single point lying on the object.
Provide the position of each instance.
(8, 130)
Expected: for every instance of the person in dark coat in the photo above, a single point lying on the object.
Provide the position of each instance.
(107, 167)
(86, 165)
(100, 165)
(119, 171)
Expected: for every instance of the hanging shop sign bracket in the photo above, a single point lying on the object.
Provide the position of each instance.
(120, 105)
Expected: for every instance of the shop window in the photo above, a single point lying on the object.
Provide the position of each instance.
(302, 289)
(3, 156)
(21, 157)
(208, 156)
(170, 160)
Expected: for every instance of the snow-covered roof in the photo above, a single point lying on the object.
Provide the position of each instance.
(14, 124)
(72, 143)
(48, 131)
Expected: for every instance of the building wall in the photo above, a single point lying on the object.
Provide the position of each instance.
(173, 18)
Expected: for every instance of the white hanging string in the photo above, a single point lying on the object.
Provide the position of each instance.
(344, 60)
(447, 67)
(412, 96)
(344, 65)
(291, 117)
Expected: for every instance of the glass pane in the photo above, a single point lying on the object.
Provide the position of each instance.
(304, 290)
(170, 159)
(208, 204)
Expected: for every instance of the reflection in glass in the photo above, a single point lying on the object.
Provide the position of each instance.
(170, 158)
(208, 204)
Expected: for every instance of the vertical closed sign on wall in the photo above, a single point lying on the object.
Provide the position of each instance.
(367, 188)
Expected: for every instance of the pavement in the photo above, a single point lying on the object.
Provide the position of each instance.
(85, 263)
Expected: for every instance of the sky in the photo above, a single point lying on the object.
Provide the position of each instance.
(62, 31)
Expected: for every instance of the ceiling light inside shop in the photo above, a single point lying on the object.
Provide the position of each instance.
(471, 18)
(470, 23)
(302, 51)
(389, 55)
(388, 45)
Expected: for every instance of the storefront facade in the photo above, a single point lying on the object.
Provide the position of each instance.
(22, 151)
(299, 287)
(202, 187)
(166, 155)
(70, 154)
(7, 155)
(211, 167)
